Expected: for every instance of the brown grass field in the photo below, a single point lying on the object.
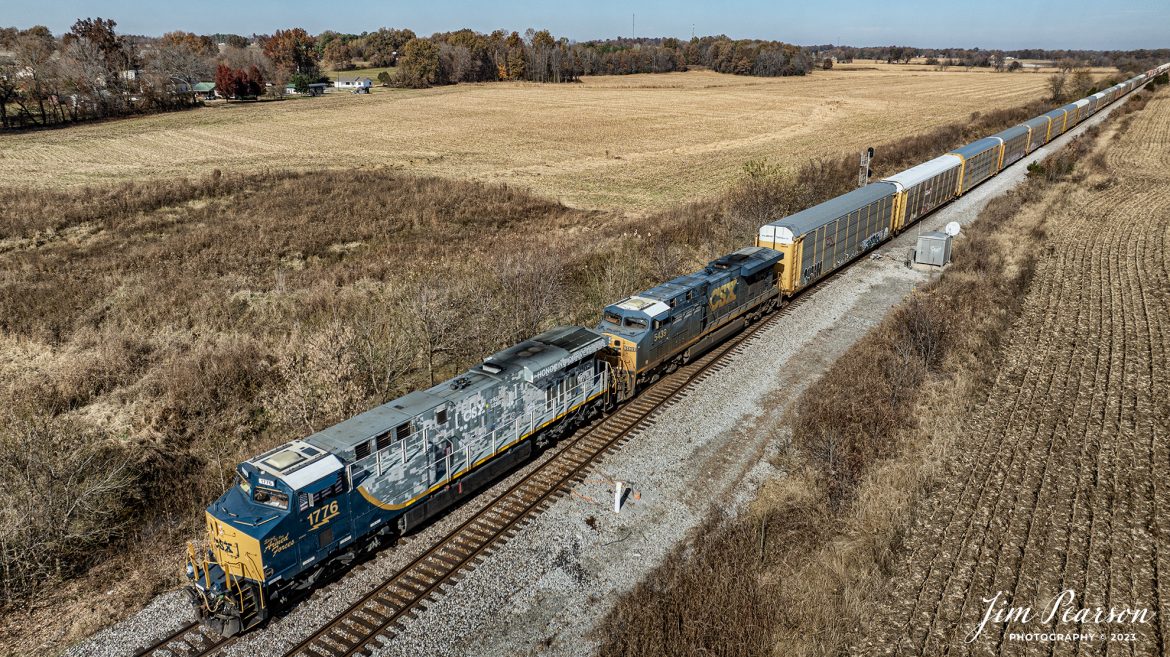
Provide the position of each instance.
(636, 142)
(1061, 483)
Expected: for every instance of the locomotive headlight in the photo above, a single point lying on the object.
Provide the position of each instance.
(190, 571)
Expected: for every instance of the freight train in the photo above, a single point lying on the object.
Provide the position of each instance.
(309, 507)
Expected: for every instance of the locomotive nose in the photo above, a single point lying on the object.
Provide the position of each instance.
(237, 548)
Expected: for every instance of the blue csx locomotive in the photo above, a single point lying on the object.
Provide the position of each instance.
(312, 505)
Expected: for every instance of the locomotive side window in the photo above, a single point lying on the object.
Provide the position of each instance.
(403, 431)
(362, 450)
(269, 497)
(658, 324)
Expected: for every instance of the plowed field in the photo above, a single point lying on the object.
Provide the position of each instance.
(1062, 482)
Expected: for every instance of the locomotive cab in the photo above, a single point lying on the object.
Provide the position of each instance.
(630, 326)
(286, 511)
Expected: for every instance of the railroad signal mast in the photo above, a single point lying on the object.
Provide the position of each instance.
(864, 172)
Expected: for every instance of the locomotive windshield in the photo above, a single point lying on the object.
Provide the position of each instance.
(636, 322)
(613, 318)
(269, 497)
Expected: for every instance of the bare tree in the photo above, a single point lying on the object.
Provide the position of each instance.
(1082, 82)
(65, 488)
(322, 385)
(532, 286)
(85, 66)
(1056, 84)
(436, 319)
(34, 59)
(7, 87)
(179, 62)
(997, 61)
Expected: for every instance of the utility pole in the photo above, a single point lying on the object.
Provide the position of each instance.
(632, 30)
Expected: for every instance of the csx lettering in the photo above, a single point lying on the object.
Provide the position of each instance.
(321, 516)
(723, 295)
(224, 546)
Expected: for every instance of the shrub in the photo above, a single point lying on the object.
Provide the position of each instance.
(68, 494)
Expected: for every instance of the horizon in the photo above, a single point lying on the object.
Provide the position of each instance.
(1126, 25)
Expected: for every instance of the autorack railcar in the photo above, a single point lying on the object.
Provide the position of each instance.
(981, 160)
(1038, 128)
(1057, 126)
(1015, 145)
(923, 188)
(817, 241)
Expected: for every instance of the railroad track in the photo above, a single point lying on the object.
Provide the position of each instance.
(191, 640)
(376, 616)
(380, 613)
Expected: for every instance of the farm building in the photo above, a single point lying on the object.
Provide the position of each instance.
(204, 90)
(353, 83)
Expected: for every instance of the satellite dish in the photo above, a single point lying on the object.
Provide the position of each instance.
(952, 229)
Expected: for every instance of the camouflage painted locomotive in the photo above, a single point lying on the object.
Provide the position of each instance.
(311, 506)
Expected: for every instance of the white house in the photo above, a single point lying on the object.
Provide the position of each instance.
(353, 83)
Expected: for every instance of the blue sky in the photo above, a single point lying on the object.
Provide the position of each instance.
(1091, 24)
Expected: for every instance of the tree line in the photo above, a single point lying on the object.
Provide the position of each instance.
(91, 71)
(1127, 61)
(539, 56)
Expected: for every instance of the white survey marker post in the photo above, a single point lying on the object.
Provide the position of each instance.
(617, 496)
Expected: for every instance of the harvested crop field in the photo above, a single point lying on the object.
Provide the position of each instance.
(1061, 481)
(635, 142)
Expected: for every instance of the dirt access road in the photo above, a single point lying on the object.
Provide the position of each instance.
(1063, 477)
